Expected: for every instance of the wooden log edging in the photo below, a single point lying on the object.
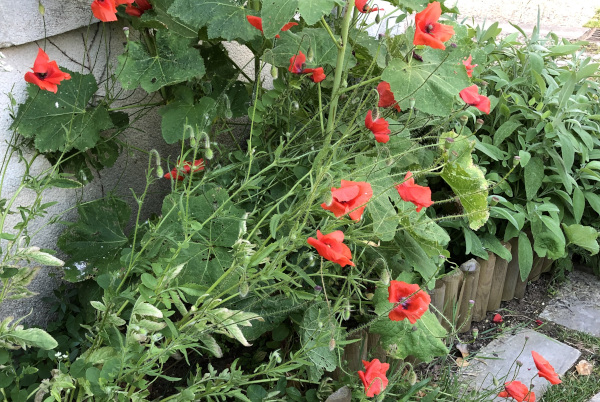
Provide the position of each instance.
(486, 273)
(498, 281)
(468, 292)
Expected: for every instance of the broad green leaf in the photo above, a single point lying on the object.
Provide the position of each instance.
(158, 18)
(317, 329)
(416, 256)
(525, 157)
(432, 238)
(273, 309)
(525, 254)
(312, 11)
(367, 47)
(583, 236)
(95, 240)
(505, 130)
(423, 340)
(465, 178)
(434, 82)
(534, 174)
(516, 219)
(63, 121)
(174, 60)
(146, 309)
(184, 111)
(225, 19)
(275, 14)
(594, 200)
(325, 51)
(562, 171)
(33, 337)
(548, 238)
(492, 243)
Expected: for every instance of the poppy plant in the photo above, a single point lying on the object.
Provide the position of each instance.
(411, 192)
(187, 169)
(361, 6)
(46, 73)
(317, 74)
(138, 8)
(470, 67)
(412, 302)
(350, 198)
(545, 369)
(332, 248)
(256, 22)
(428, 31)
(518, 391)
(471, 97)
(386, 96)
(297, 63)
(106, 10)
(373, 378)
(379, 127)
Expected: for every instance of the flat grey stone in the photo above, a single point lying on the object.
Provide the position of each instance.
(577, 304)
(498, 360)
(341, 395)
(595, 398)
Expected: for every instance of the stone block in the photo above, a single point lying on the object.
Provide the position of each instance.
(577, 304)
(498, 360)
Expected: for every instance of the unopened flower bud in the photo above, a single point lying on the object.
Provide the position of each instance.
(471, 302)
(159, 172)
(244, 288)
(411, 103)
(208, 153)
(329, 199)
(475, 333)
(274, 72)
(41, 8)
(451, 48)
(310, 54)
(318, 288)
(126, 32)
(519, 363)
(295, 106)
(385, 277)
(516, 160)
(464, 119)
(414, 328)
(478, 124)
(369, 296)
(496, 383)
(377, 18)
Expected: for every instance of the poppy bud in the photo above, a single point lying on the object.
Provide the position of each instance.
(295, 106)
(208, 153)
(41, 9)
(329, 199)
(414, 328)
(369, 296)
(519, 363)
(475, 333)
(494, 200)
(274, 72)
(411, 103)
(310, 54)
(377, 18)
(318, 289)
(496, 383)
(125, 31)
(331, 344)
(159, 172)
(464, 119)
(228, 114)
(516, 160)
(244, 288)
(451, 47)
(385, 277)
(320, 324)
(478, 124)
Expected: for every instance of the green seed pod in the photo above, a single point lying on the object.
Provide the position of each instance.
(274, 72)
(464, 119)
(478, 124)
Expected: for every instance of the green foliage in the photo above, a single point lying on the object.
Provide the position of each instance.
(63, 121)
(184, 111)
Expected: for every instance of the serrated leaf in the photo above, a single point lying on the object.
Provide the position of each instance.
(275, 14)
(434, 82)
(312, 11)
(158, 18)
(465, 178)
(95, 240)
(63, 121)
(146, 309)
(181, 112)
(225, 19)
(416, 256)
(317, 329)
(173, 61)
(34, 337)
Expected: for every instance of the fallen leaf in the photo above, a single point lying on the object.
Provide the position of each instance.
(463, 349)
(584, 367)
(460, 362)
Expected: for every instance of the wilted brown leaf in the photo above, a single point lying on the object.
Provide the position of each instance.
(463, 349)
(460, 362)
(584, 367)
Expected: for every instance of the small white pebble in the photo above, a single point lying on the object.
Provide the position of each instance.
(56, 104)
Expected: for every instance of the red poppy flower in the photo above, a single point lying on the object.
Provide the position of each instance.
(379, 127)
(105, 10)
(386, 96)
(46, 73)
(518, 391)
(331, 248)
(428, 31)
(351, 198)
(361, 6)
(373, 378)
(411, 192)
(137, 9)
(297, 63)
(497, 319)
(187, 168)
(467, 63)
(256, 22)
(545, 369)
(412, 302)
(317, 74)
(538, 322)
(471, 96)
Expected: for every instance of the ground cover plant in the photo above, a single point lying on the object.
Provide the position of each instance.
(300, 214)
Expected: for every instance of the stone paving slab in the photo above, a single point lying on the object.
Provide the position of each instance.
(595, 398)
(497, 360)
(577, 304)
